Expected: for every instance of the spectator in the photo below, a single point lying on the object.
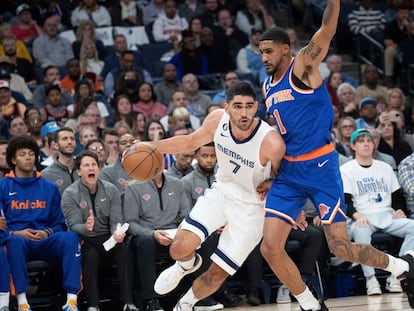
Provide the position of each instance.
(189, 59)
(218, 58)
(16, 81)
(115, 173)
(294, 42)
(347, 104)
(62, 171)
(48, 154)
(234, 39)
(396, 100)
(367, 113)
(395, 32)
(51, 49)
(147, 103)
(255, 15)
(86, 32)
(249, 58)
(36, 234)
(209, 16)
(197, 103)
(93, 209)
(406, 48)
(169, 25)
(27, 29)
(154, 131)
(346, 126)
(110, 140)
(229, 78)
(73, 76)
(97, 147)
(126, 13)
(122, 106)
(55, 110)
(182, 165)
(33, 120)
(21, 49)
(334, 64)
(90, 10)
(371, 86)
(85, 135)
(378, 155)
(9, 108)
(367, 20)
(405, 177)
(191, 8)
(89, 58)
(332, 83)
(17, 127)
(378, 208)
(148, 224)
(165, 88)
(137, 122)
(21, 66)
(194, 27)
(122, 128)
(152, 10)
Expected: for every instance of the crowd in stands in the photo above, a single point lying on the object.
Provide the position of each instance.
(81, 96)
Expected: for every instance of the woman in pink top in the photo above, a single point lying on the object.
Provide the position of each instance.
(147, 103)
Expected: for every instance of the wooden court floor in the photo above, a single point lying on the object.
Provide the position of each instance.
(384, 302)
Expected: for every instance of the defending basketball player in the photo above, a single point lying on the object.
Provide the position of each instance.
(248, 152)
(299, 102)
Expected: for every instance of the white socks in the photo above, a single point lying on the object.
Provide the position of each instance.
(397, 266)
(21, 298)
(307, 301)
(4, 299)
(187, 265)
(71, 297)
(189, 298)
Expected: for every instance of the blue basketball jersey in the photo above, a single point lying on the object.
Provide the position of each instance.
(304, 118)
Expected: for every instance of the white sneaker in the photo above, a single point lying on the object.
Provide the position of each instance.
(93, 309)
(393, 285)
(283, 295)
(183, 306)
(171, 277)
(373, 287)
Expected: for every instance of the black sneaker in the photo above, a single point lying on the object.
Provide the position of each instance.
(153, 305)
(230, 300)
(407, 278)
(323, 307)
(253, 298)
(208, 304)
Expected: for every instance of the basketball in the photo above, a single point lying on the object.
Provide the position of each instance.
(143, 161)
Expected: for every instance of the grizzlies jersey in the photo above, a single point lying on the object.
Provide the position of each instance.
(239, 168)
(304, 118)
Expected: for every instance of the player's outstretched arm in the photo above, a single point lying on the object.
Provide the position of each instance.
(185, 143)
(310, 57)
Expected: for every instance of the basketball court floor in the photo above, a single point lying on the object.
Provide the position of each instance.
(384, 302)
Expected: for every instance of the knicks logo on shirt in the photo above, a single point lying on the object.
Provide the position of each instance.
(323, 210)
(18, 205)
(279, 97)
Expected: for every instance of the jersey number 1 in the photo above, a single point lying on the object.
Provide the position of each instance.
(278, 120)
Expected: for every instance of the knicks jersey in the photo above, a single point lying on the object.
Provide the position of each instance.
(304, 118)
(239, 168)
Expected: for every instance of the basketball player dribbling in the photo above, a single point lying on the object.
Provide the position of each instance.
(248, 154)
(300, 105)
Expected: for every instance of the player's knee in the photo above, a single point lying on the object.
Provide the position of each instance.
(271, 250)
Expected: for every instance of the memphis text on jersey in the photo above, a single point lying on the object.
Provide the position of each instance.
(235, 155)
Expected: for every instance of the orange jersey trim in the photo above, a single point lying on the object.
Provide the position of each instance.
(316, 153)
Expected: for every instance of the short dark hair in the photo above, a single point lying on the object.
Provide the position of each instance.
(47, 68)
(62, 129)
(276, 34)
(81, 155)
(109, 131)
(210, 144)
(241, 88)
(53, 87)
(21, 142)
(26, 113)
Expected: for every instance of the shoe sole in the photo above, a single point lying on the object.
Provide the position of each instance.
(163, 291)
(208, 308)
(373, 293)
(394, 290)
(408, 287)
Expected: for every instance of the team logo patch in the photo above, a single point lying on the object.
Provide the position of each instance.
(323, 210)
(198, 190)
(146, 197)
(59, 182)
(83, 204)
(121, 181)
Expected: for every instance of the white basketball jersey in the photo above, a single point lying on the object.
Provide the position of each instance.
(239, 168)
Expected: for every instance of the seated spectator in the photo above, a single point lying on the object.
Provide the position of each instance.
(127, 84)
(36, 234)
(218, 57)
(34, 123)
(147, 225)
(347, 104)
(93, 209)
(169, 25)
(189, 59)
(17, 127)
(229, 78)
(191, 8)
(367, 113)
(254, 15)
(154, 131)
(165, 88)
(97, 147)
(21, 49)
(209, 16)
(151, 11)
(89, 58)
(380, 207)
(122, 106)
(73, 75)
(126, 13)
(48, 154)
(55, 110)
(346, 126)
(249, 58)
(21, 66)
(147, 103)
(195, 27)
(90, 10)
(17, 83)
(27, 28)
(110, 140)
(51, 49)
(197, 103)
(332, 83)
(122, 127)
(371, 86)
(86, 134)
(334, 64)
(86, 31)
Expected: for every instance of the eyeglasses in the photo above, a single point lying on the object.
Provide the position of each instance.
(347, 127)
(94, 148)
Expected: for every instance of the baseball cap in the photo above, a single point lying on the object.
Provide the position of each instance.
(21, 8)
(4, 84)
(5, 59)
(4, 74)
(48, 128)
(367, 101)
(358, 133)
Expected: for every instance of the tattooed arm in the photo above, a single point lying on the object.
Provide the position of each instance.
(310, 57)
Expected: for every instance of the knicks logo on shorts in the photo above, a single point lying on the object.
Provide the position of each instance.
(323, 210)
